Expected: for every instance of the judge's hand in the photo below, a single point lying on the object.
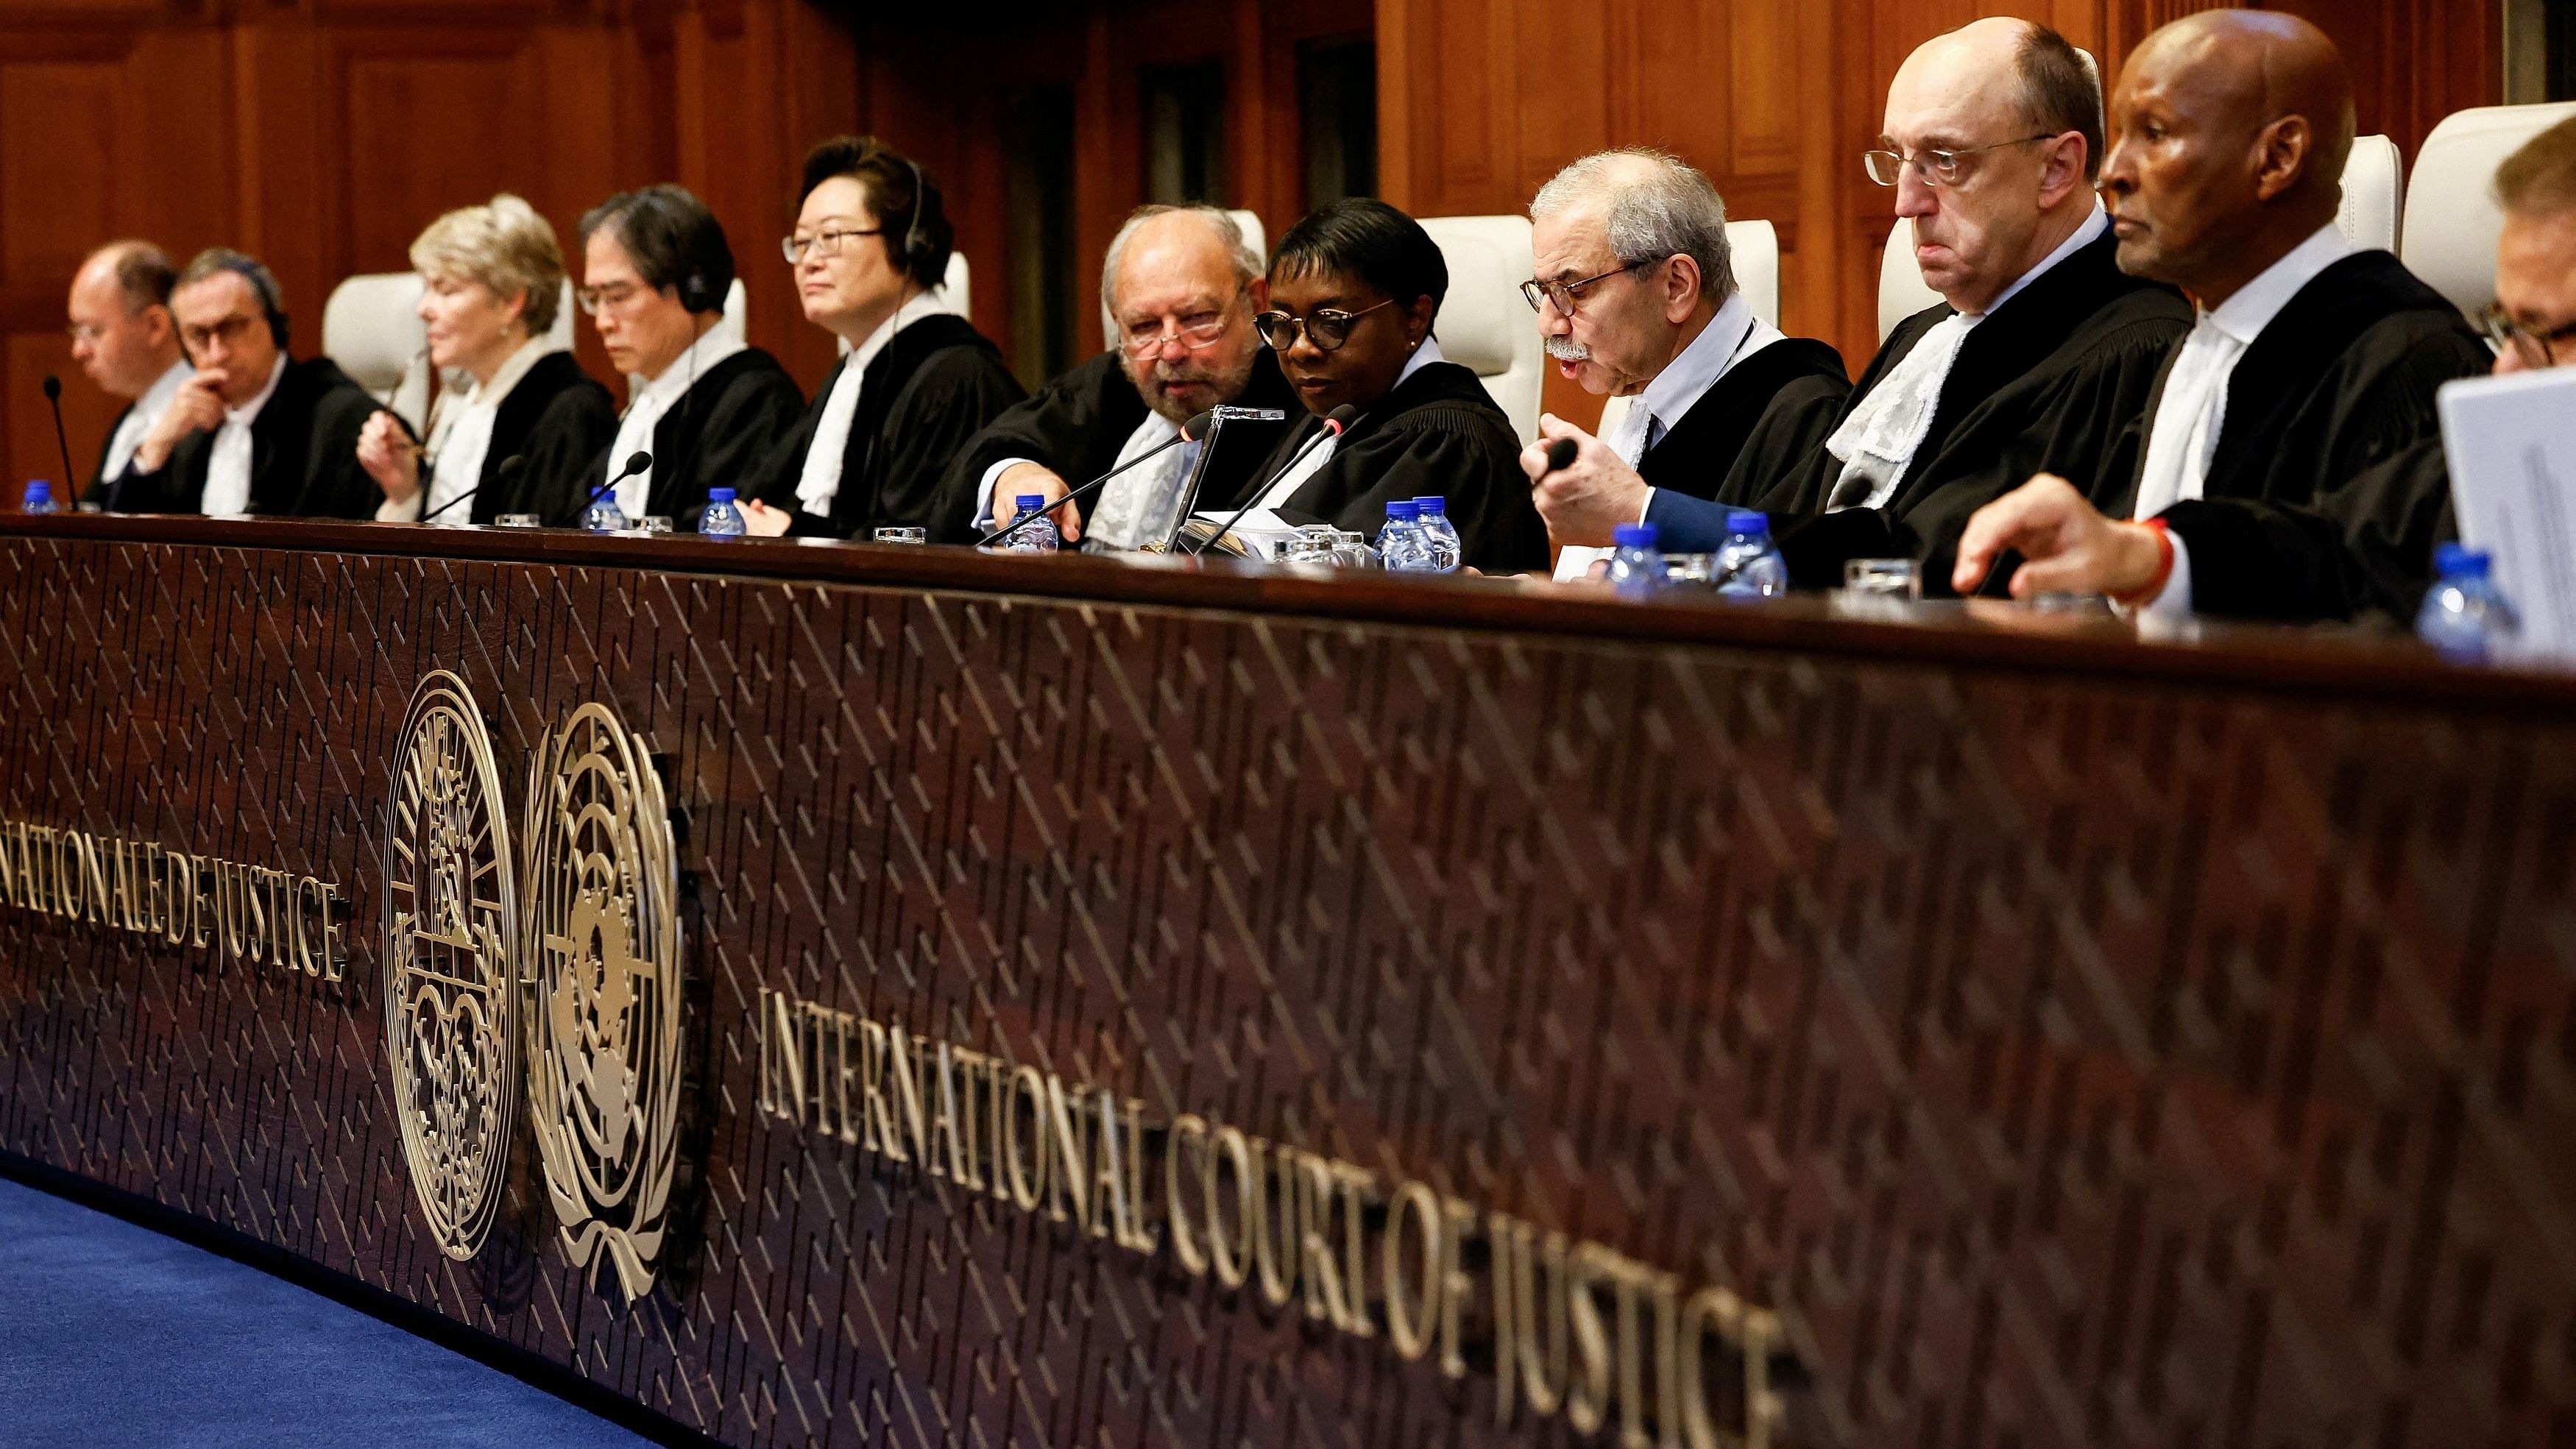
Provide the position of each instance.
(2067, 546)
(1041, 480)
(1585, 501)
(386, 451)
(762, 521)
(199, 408)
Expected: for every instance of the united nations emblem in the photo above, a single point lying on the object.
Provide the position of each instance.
(603, 937)
(451, 921)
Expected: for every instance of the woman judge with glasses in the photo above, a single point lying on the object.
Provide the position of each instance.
(492, 277)
(870, 251)
(705, 408)
(1353, 291)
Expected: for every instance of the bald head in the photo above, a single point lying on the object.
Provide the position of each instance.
(2234, 129)
(122, 334)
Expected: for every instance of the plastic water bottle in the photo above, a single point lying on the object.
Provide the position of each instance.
(603, 515)
(722, 519)
(1439, 535)
(1636, 569)
(1748, 566)
(2465, 616)
(1040, 536)
(1400, 544)
(40, 497)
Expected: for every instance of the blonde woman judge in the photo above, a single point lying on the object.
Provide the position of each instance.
(492, 279)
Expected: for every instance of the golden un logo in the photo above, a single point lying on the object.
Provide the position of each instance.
(604, 943)
(450, 922)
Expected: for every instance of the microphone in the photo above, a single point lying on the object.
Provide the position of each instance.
(1193, 431)
(54, 399)
(636, 462)
(1338, 422)
(508, 473)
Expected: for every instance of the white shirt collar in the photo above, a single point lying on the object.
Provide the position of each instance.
(156, 398)
(718, 344)
(2244, 315)
(248, 413)
(928, 304)
(1423, 356)
(1687, 378)
(2094, 224)
(492, 394)
(147, 410)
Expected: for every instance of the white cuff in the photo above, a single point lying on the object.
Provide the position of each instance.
(407, 512)
(2173, 602)
(1647, 507)
(984, 489)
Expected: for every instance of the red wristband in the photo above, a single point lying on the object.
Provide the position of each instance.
(2164, 569)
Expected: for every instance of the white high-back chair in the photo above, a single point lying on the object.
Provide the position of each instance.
(371, 326)
(737, 312)
(1901, 292)
(1484, 325)
(561, 334)
(2374, 194)
(1753, 250)
(1253, 234)
(2452, 220)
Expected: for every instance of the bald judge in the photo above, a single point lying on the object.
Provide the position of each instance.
(2310, 362)
(2041, 354)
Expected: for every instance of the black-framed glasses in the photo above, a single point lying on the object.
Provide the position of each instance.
(1328, 327)
(1933, 165)
(2535, 348)
(1569, 295)
(825, 243)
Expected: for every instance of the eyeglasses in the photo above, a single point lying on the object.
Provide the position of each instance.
(824, 243)
(231, 330)
(1198, 330)
(1567, 295)
(2535, 348)
(1933, 165)
(1328, 328)
(83, 332)
(616, 298)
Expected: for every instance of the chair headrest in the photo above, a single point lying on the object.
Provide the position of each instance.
(2374, 189)
(372, 328)
(2452, 220)
(1753, 249)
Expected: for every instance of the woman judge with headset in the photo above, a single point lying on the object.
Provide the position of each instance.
(706, 408)
(870, 251)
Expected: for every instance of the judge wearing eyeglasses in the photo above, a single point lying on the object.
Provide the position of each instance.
(869, 253)
(1353, 291)
(1177, 296)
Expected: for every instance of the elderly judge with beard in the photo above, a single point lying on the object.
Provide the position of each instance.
(2040, 356)
(870, 251)
(1636, 296)
(1177, 297)
(2311, 365)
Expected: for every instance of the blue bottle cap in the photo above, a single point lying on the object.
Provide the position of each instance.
(1430, 507)
(1748, 520)
(2459, 561)
(719, 495)
(1634, 535)
(40, 489)
(1030, 502)
(1403, 508)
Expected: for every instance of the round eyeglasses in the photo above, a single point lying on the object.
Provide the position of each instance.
(1328, 327)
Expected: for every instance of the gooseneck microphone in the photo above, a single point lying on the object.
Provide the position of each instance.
(505, 475)
(1193, 431)
(54, 399)
(636, 462)
(1335, 424)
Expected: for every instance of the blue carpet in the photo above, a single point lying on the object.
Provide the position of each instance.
(113, 1335)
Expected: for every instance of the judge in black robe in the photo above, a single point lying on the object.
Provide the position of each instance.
(1353, 290)
(554, 420)
(2052, 379)
(303, 459)
(2326, 495)
(926, 392)
(1078, 425)
(718, 433)
(1789, 393)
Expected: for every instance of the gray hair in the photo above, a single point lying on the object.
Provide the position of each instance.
(1229, 234)
(1660, 206)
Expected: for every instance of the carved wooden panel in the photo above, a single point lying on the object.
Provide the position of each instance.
(2066, 1058)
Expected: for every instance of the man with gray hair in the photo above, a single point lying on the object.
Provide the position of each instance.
(2039, 358)
(1636, 297)
(1177, 297)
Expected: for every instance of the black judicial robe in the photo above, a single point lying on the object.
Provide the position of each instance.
(555, 420)
(303, 454)
(1792, 391)
(929, 391)
(719, 434)
(1438, 432)
(2050, 383)
(104, 491)
(1076, 425)
(2326, 494)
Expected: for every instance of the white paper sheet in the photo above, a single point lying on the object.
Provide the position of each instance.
(2511, 445)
